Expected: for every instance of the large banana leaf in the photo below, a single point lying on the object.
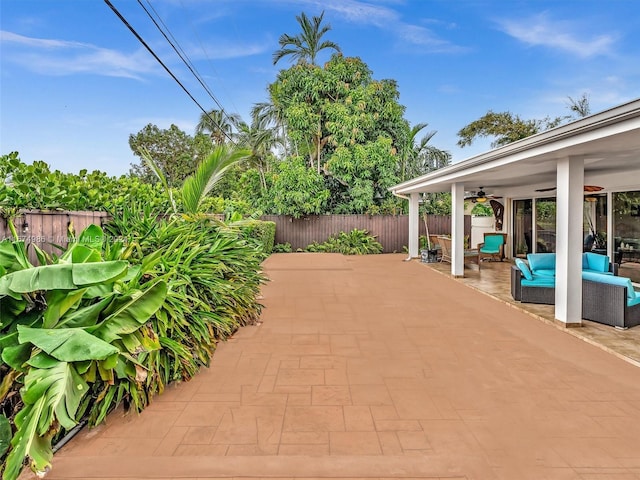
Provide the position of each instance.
(87, 247)
(13, 256)
(67, 344)
(27, 443)
(64, 276)
(60, 302)
(5, 435)
(49, 394)
(131, 312)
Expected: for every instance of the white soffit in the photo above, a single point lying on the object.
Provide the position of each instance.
(609, 142)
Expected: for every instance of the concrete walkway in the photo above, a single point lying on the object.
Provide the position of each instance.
(373, 367)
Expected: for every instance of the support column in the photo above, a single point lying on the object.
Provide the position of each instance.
(414, 222)
(610, 232)
(457, 230)
(569, 241)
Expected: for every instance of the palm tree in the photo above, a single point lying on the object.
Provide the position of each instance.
(266, 114)
(218, 124)
(305, 46)
(580, 106)
(259, 139)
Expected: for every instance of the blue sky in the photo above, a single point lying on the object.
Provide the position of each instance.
(75, 83)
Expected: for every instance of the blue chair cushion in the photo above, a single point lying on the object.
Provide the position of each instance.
(542, 261)
(595, 262)
(524, 268)
(492, 244)
(612, 280)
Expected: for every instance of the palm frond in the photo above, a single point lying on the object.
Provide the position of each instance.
(209, 172)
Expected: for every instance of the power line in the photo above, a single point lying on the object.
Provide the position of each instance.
(141, 40)
(204, 50)
(185, 59)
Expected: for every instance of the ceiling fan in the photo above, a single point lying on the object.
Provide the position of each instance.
(587, 188)
(480, 196)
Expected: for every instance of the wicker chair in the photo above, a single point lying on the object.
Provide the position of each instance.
(470, 256)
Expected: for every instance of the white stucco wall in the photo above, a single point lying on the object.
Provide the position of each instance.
(480, 225)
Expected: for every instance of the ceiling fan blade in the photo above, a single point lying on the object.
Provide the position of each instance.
(587, 188)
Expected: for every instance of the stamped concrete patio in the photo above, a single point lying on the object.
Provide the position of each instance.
(371, 367)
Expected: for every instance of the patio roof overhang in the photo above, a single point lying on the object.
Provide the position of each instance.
(602, 150)
(609, 143)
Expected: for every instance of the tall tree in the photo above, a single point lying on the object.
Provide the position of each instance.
(339, 104)
(218, 125)
(505, 127)
(304, 47)
(580, 106)
(175, 152)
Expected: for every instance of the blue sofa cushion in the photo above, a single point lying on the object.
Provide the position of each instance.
(594, 262)
(635, 301)
(610, 279)
(539, 282)
(542, 262)
(542, 272)
(524, 268)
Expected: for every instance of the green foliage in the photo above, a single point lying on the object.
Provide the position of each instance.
(5, 435)
(61, 324)
(337, 115)
(298, 190)
(356, 242)
(482, 210)
(366, 171)
(282, 248)
(197, 186)
(176, 153)
(261, 232)
(505, 127)
(36, 187)
(305, 46)
(214, 281)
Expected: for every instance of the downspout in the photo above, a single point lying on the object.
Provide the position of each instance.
(408, 259)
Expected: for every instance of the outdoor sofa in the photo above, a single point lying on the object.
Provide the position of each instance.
(606, 298)
(610, 300)
(534, 282)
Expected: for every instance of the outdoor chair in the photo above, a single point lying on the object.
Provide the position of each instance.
(470, 255)
(491, 248)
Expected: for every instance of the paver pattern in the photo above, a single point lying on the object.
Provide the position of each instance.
(371, 367)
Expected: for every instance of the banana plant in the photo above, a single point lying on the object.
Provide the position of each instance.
(69, 328)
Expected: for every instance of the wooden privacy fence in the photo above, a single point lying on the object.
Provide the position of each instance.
(392, 231)
(47, 229)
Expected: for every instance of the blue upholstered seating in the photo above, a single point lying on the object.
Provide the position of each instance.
(492, 247)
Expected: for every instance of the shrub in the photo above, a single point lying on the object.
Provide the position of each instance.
(282, 248)
(261, 232)
(356, 242)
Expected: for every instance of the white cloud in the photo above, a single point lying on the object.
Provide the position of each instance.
(62, 57)
(388, 19)
(540, 30)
